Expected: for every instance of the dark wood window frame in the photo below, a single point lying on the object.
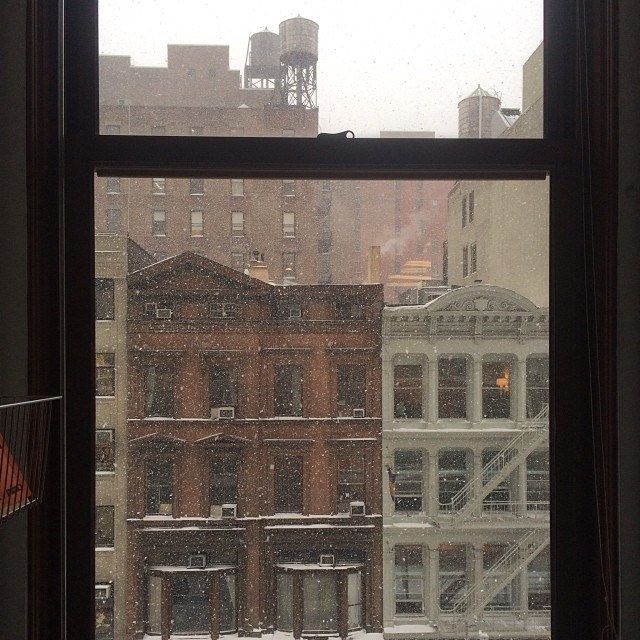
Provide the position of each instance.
(579, 153)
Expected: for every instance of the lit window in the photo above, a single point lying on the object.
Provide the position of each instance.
(351, 487)
(452, 388)
(409, 579)
(288, 224)
(237, 224)
(288, 188)
(158, 392)
(159, 487)
(407, 391)
(113, 185)
(105, 374)
(105, 305)
(197, 226)
(159, 223)
(496, 388)
(196, 186)
(114, 220)
(158, 186)
(407, 488)
(537, 385)
(352, 381)
(288, 390)
(237, 187)
(104, 526)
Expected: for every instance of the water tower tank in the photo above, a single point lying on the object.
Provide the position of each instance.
(265, 49)
(299, 41)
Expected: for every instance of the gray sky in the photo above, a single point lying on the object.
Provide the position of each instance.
(394, 65)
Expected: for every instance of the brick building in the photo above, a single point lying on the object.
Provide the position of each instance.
(254, 436)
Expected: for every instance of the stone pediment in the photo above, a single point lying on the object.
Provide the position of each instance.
(482, 299)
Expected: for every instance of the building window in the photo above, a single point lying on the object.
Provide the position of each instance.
(237, 224)
(465, 261)
(452, 474)
(104, 611)
(158, 392)
(346, 310)
(222, 389)
(158, 186)
(289, 266)
(537, 385)
(196, 186)
(196, 131)
(409, 579)
(452, 388)
(105, 304)
(114, 220)
(113, 185)
(352, 382)
(500, 498)
(320, 615)
(226, 310)
(197, 224)
(491, 555)
(538, 481)
(407, 490)
(159, 487)
(288, 391)
(288, 484)
(496, 389)
(288, 188)
(159, 223)
(539, 582)
(464, 211)
(350, 481)
(105, 450)
(112, 129)
(236, 131)
(473, 258)
(288, 224)
(289, 311)
(237, 187)
(326, 186)
(354, 600)
(158, 130)
(288, 133)
(472, 205)
(191, 73)
(452, 574)
(407, 391)
(104, 526)
(105, 374)
(237, 260)
(223, 486)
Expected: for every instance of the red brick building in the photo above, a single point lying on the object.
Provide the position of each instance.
(254, 438)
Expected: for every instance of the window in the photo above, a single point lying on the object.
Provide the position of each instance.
(352, 381)
(464, 211)
(539, 582)
(237, 261)
(407, 391)
(105, 374)
(346, 310)
(326, 186)
(288, 391)
(350, 481)
(472, 205)
(407, 491)
(237, 187)
(500, 498)
(237, 224)
(191, 73)
(112, 129)
(288, 188)
(288, 224)
(452, 574)
(473, 268)
(159, 392)
(320, 603)
(113, 185)
(190, 604)
(159, 223)
(288, 484)
(289, 266)
(105, 450)
(104, 526)
(104, 611)
(496, 388)
(196, 186)
(197, 226)
(492, 554)
(159, 487)
(114, 220)
(452, 474)
(223, 386)
(105, 305)
(158, 186)
(236, 131)
(409, 579)
(465, 261)
(290, 311)
(288, 133)
(538, 481)
(537, 385)
(196, 131)
(219, 310)
(452, 387)
(223, 487)
(158, 130)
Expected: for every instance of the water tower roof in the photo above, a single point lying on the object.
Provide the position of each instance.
(480, 92)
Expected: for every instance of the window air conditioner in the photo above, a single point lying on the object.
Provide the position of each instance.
(229, 510)
(103, 592)
(358, 413)
(226, 413)
(216, 511)
(165, 509)
(295, 312)
(164, 314)
(327, 560)
(197, 561)
(357, 508)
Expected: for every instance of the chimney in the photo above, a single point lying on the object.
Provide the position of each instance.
(258, 267)
(374, 264)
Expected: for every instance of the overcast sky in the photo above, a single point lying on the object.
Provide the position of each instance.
(402, 64)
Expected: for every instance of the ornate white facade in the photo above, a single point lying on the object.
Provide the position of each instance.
(465, 452)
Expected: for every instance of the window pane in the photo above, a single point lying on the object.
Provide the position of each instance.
(496, 389)
(407, 391)
(288, 484)
(104, 526)
(408, 486)
(452, 388)
(154, 81)
(104, 299)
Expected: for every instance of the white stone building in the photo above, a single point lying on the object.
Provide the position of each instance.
(465, 449)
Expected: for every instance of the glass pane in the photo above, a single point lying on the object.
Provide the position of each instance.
(464, 68)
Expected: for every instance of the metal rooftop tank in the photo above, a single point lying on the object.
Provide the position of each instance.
(299, 41)
(264, 49)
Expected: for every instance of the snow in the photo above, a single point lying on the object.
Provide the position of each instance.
(410, 628)
(105, 549)
(174, 569)
(156, 529)
(315, 567)
(277, 635)
(411, 525)
(319, 526)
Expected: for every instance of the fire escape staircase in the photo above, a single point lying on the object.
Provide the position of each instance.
(468, 501)
(470, 604)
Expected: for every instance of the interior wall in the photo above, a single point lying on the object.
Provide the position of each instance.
(13, 288)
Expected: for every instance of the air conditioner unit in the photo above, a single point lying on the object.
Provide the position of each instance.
(223, 413)
(229, 511)
(164, 313)
(197, 561)
(295, 312)
(327, 560)
(357, 508)
(216, 511)
(165, 509)
(103, 591)
(358, 413)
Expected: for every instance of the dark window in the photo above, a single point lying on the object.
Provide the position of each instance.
(159, 392)
(288, 188)
(225, 310)
(114, 220)
(492, 554)
(223, 488)
(465, 261)
(537, 385)
(472, 205)
(288, 484)
(113, 129)
(499, 499)
(104, 611)
(288, 391)
(539, 582)
(289, 311)
(105, 374)
(223, 386)
(407, 492)
(113, 185)
(452, 574)
(409, 579)
(158, 130)
(464, 211)
(452, 388)
(452, 474)
(105, 305)
(350, 481)
(237, 261)
(496, 389)
(473, 261)
(104, 526)
(159, 223)
(289, 266)
(105, 450)
(538, 481)
(191, 604)
(407, 391)
(349, 310)
(159, 487)
(196, 186)
(352, 382)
